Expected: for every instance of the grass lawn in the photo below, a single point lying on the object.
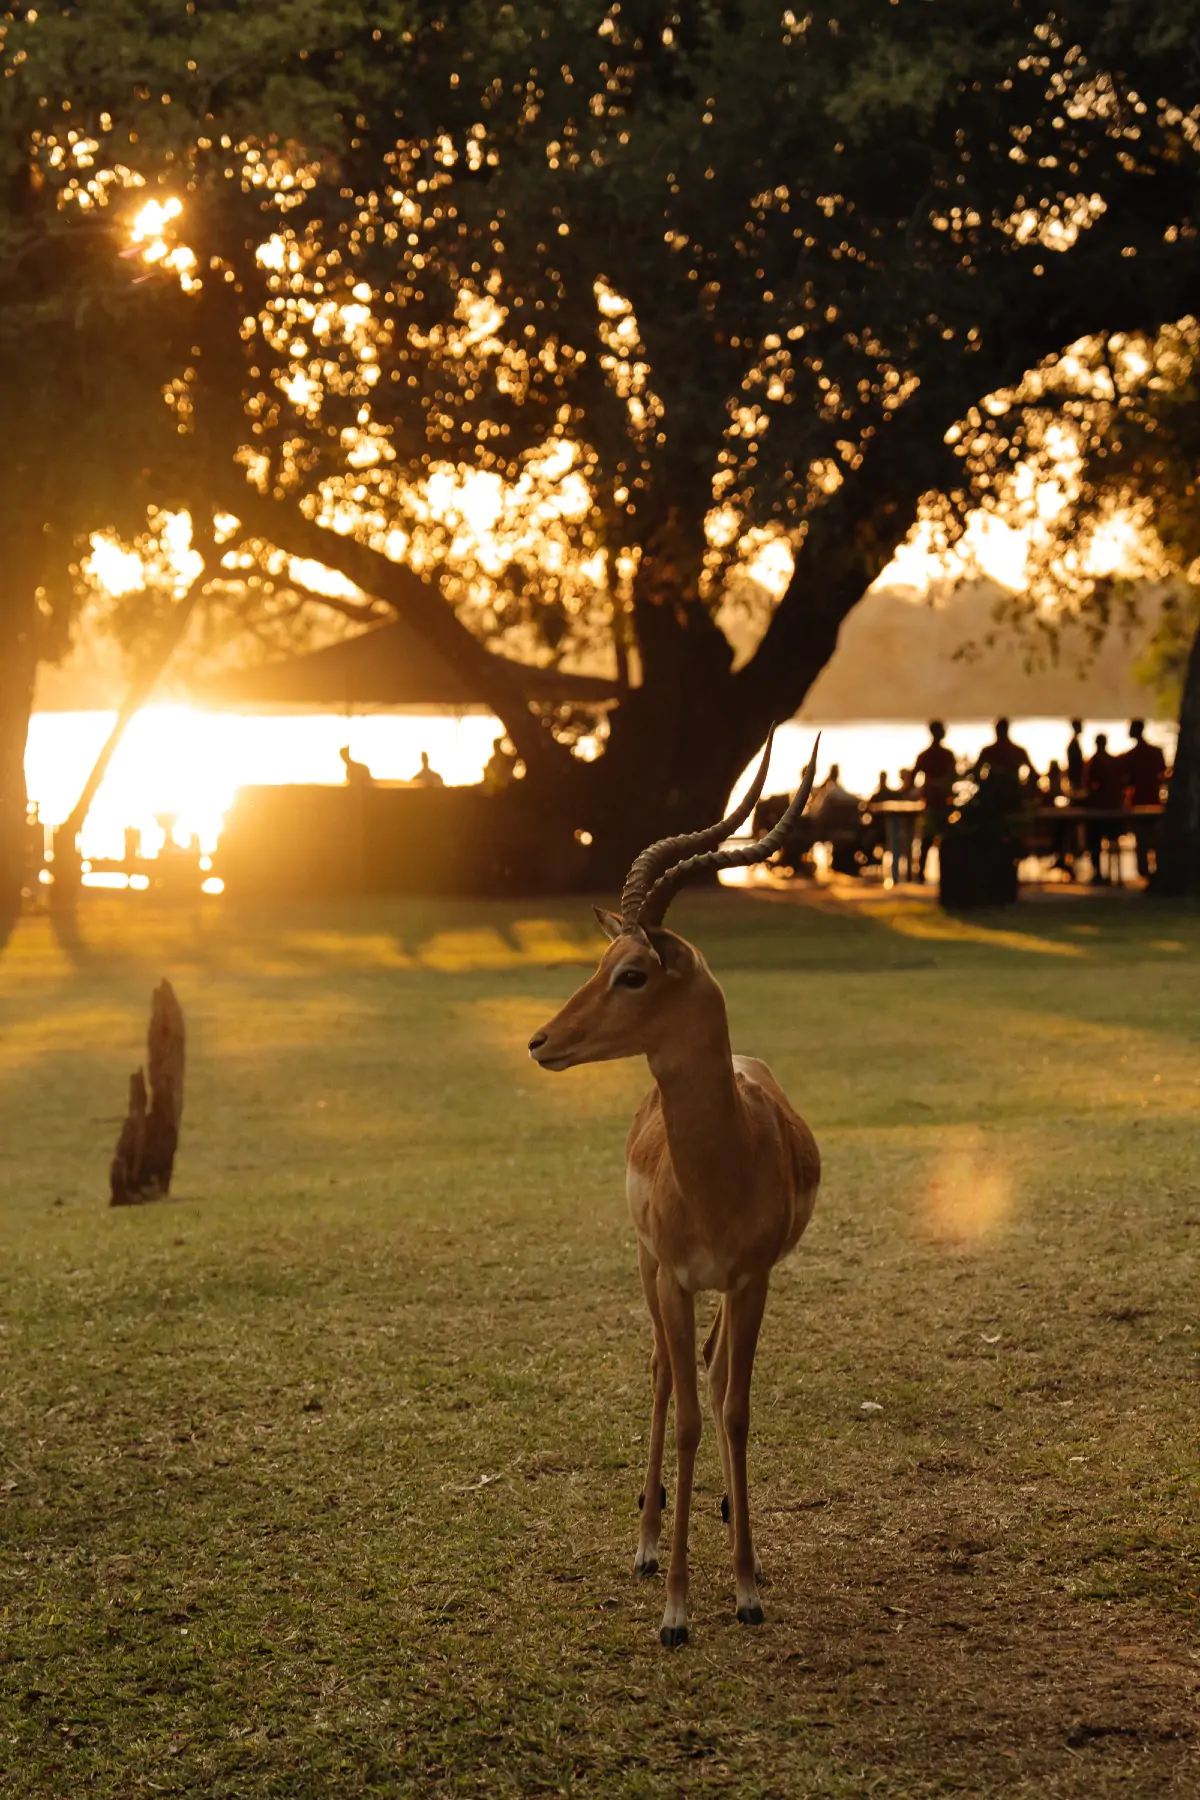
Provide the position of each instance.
(320, 1479)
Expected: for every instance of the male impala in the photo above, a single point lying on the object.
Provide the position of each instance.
(721, 1175)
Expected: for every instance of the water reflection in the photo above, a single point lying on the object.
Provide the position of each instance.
(182, 763)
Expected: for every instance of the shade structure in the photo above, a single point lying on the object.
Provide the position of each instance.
(389, 665)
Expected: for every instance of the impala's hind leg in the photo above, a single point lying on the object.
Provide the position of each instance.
(745, 1311)
(653, 1497)
(716, 1360)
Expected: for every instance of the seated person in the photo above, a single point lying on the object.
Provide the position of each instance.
(768, 813)
(425, 776)
(831, 792)
(794, 852)
(1057, 833)
(357, 774)
(501, 767)
(875, 834)
(836, 819)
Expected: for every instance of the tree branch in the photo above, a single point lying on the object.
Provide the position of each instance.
(412, 599)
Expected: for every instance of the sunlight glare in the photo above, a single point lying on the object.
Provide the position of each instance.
(183, 765)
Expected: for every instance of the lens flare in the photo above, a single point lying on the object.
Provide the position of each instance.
(969, 1193)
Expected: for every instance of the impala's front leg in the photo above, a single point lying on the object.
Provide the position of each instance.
(744, 1319)
(679, 1324)
(653, 1494)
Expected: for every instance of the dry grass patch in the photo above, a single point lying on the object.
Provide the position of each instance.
(320, 1478)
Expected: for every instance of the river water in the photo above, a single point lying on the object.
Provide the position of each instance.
(180, 763)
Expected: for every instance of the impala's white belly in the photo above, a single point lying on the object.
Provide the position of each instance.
(703, 1273)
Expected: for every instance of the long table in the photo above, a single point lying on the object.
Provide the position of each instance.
(900, 818)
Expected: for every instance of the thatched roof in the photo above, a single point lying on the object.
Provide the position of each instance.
(389, 665)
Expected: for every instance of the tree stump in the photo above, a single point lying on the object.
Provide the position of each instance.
(145, 1154)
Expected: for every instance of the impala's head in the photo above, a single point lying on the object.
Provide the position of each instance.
(646, 976)
(629, 1004)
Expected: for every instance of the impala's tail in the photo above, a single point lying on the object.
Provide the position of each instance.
(710, 1342)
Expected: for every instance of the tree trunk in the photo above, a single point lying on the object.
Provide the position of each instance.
(145, 1155)
(678, 744)
(67, 862)
(1178, 856)
(136, 696)
(18, 662)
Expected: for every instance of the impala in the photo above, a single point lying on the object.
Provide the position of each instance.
(721, 1176)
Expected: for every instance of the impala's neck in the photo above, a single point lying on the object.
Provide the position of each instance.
(702, 1108)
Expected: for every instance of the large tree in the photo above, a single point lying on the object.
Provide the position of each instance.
(747, 275)
(719, 271)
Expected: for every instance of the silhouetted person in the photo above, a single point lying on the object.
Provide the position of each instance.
(357, 774)
(835, 820)
(425, 776)
(1145, 771)
(935, 772)
(883, 791)
(1053, 788)
(1074, 760)
(501, 767)
(1104, 783)
(1144, 767)
(831, 792)
(936, 766)
(1003, 756)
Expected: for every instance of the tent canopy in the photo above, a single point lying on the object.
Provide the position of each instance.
(389, 665)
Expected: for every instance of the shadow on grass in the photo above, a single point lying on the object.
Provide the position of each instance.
(821, 932)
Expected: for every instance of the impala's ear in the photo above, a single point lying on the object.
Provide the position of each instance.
(611, 923)
(674, 953)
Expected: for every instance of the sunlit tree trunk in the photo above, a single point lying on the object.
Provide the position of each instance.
(1178, 873)
(18, 662)
(138, 693)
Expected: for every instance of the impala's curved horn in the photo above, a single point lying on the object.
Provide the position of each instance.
(671, 880)
(666, 853)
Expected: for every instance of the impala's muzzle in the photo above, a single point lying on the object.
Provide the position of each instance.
(546, 1055)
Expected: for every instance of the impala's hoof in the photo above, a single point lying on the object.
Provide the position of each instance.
(672, 1636)
(645, 1564)
(750, 1615)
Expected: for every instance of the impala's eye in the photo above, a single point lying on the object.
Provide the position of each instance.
(630, 978)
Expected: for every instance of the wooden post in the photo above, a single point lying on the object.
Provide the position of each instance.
(145, 1154)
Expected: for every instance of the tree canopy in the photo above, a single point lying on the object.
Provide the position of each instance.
(671, 283)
